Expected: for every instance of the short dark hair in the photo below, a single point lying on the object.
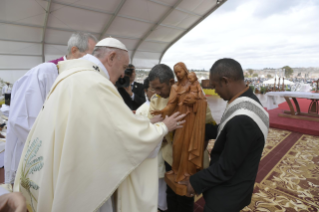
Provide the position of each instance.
(146, 83)
(130, 66)
(162, 72)
(229, 68)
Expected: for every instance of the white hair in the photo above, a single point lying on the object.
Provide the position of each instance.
(102, 51)
(80, 40)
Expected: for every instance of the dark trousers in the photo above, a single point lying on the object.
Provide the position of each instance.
(176, 203)
(7, 98)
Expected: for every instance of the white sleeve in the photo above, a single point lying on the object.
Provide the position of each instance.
(29, 98)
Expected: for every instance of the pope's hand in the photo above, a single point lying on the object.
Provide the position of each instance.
(14, 202)
(156, 119)
(174, 121)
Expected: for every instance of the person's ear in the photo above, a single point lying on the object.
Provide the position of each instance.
(171, 81)
(112, 56)
(74, 49)
(224, 80)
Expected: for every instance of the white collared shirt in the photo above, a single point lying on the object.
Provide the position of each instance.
(133, 95)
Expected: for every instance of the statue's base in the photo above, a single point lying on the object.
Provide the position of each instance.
(177, 188)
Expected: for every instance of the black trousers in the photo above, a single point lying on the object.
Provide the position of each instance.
(7, 98)
(176, 203)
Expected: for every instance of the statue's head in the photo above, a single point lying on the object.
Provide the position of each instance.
(226, 76)
(161, 79)
(192, 77)
(180, 70)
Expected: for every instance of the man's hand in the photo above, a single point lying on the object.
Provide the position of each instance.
(13, 202)
(173, 122)
(128, 90)
(190, 190)
(156, 119)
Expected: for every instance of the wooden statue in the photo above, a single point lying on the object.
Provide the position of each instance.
(187, 97)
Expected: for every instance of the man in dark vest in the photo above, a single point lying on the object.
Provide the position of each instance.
(227, 184)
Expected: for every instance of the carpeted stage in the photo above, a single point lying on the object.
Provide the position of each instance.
(288, 175)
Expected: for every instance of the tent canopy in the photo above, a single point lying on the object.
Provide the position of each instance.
(272, 81)
(35, 31)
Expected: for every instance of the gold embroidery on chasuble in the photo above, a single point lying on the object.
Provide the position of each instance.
(31, 164)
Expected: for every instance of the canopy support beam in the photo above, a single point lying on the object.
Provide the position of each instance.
(24, 55)
(45, 27)
(107, 26)
(122, 16)
(154, 27)
(177, 8)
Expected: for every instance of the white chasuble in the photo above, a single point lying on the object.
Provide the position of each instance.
(83, 144)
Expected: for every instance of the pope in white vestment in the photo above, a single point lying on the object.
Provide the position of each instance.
(27, 97)
(84, 143)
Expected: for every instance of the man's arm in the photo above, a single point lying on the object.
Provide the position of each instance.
(241, 132)
(210, 131)
(29, 98)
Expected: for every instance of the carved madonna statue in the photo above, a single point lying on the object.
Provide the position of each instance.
(187, 97)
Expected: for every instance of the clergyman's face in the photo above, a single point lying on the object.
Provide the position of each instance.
(220, 87)
(121, 62)
(161, 89)
(149, 93)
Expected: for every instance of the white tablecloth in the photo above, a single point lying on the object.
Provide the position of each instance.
(276, 98)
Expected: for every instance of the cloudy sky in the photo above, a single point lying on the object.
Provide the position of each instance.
(257, 33)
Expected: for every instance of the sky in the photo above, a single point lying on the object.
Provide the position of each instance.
(257, 33)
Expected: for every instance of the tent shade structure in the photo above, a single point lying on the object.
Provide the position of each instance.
(272, 81)
(36, 31)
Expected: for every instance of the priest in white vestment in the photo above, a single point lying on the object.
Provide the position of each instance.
(28, 96)
(85, 141)
(156, 189)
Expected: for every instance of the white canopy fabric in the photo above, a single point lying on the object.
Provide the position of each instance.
(35, 31)
(272, 81)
